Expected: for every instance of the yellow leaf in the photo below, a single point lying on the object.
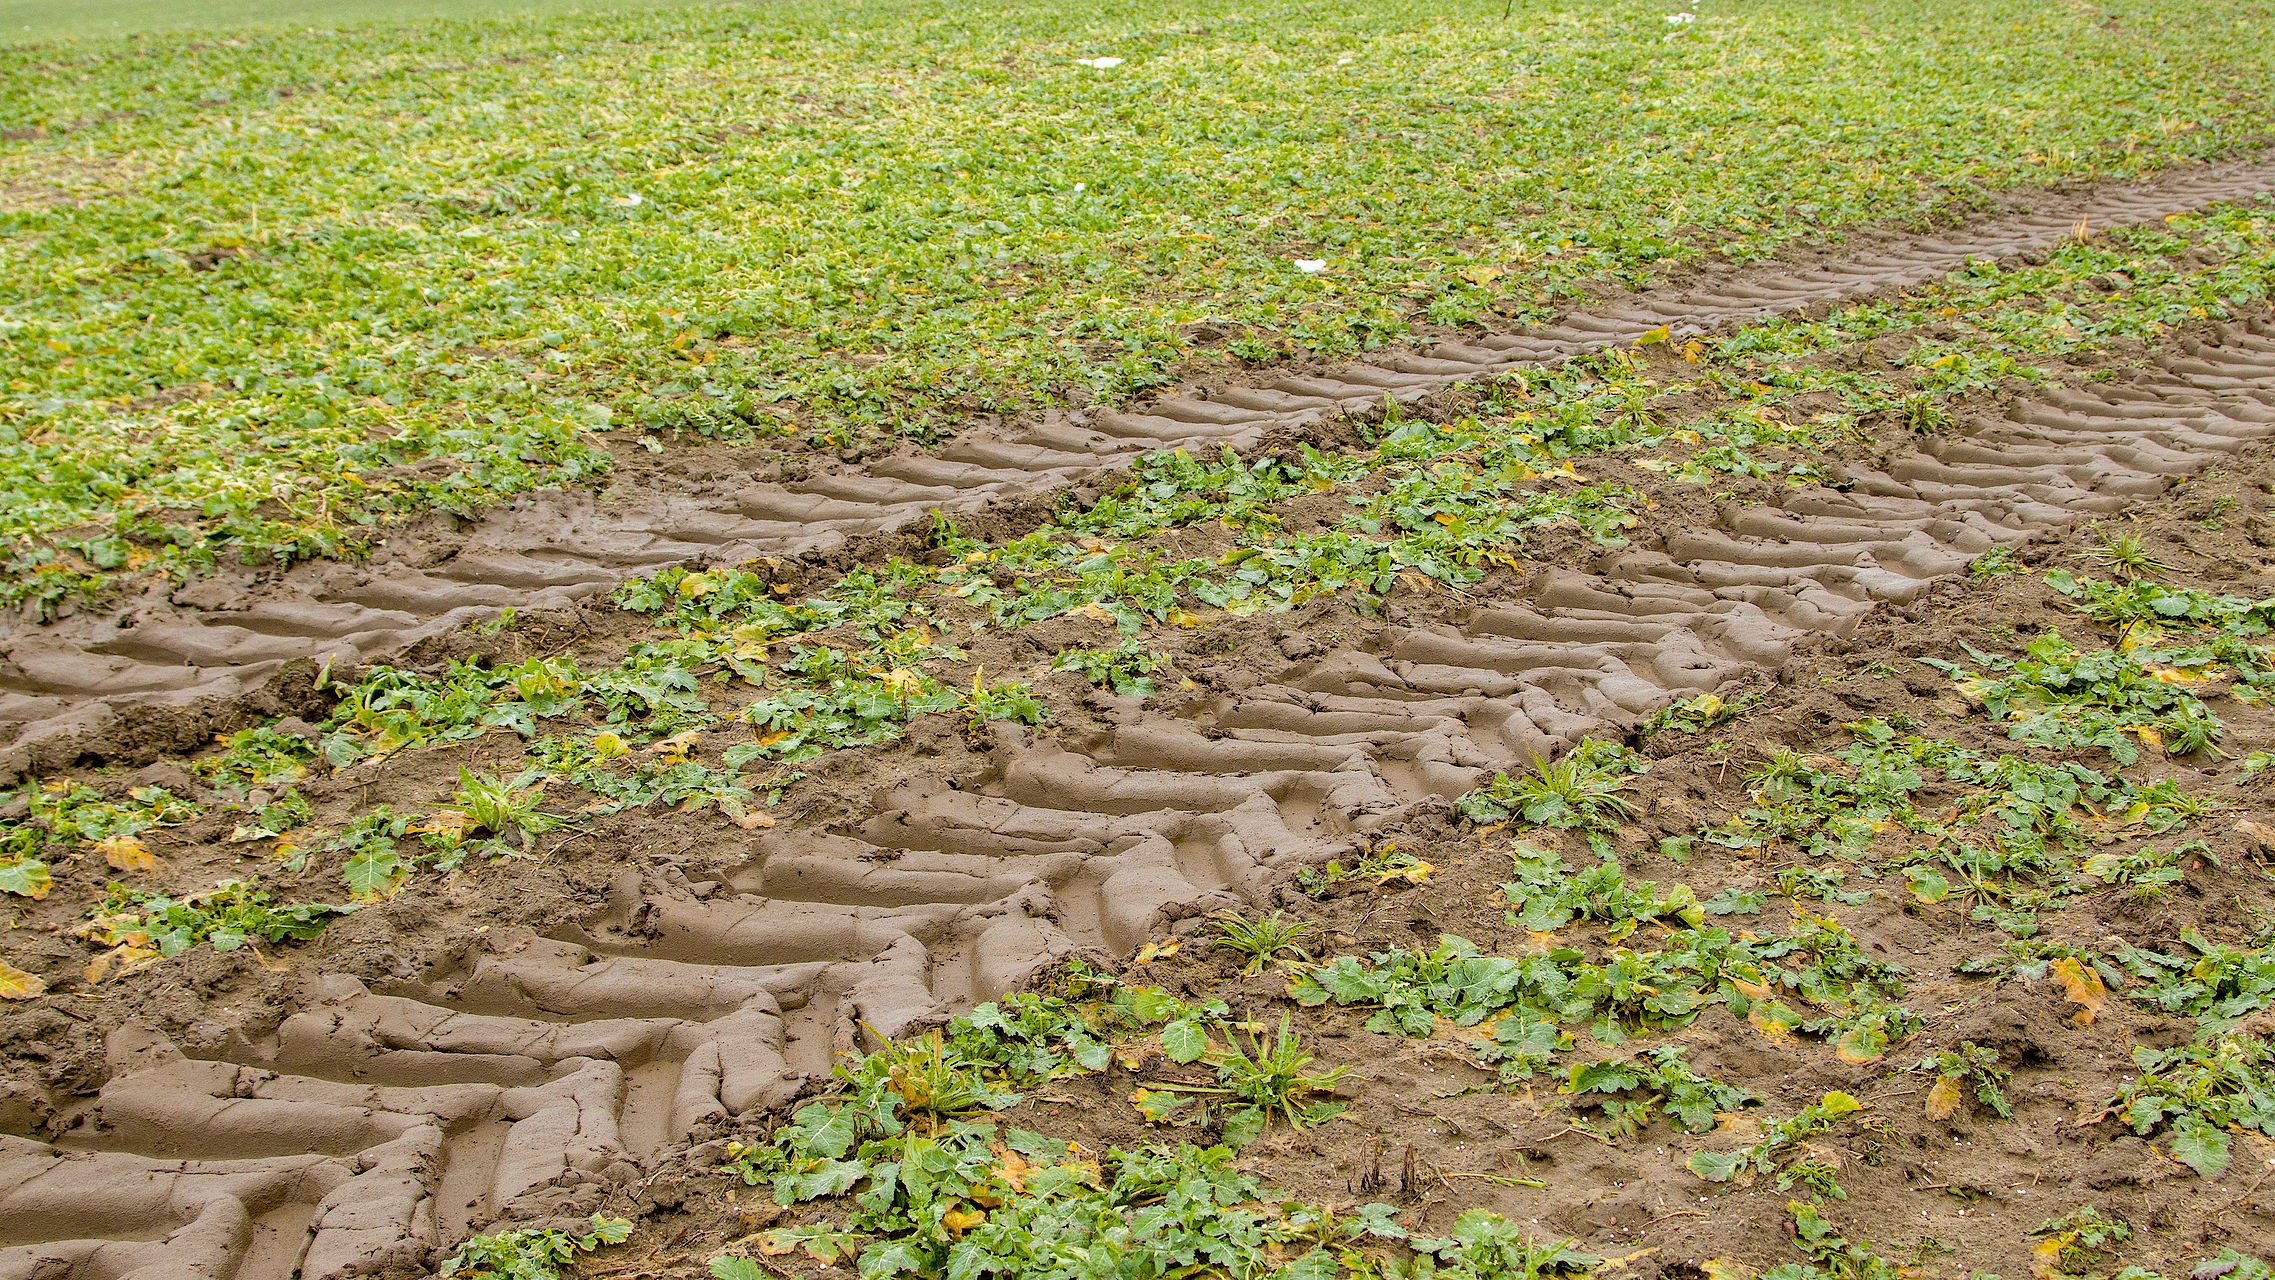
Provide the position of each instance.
(119, 961)
(1777, 1032)
(1481, 275)
(2046, 1257)
(695, 586)
(607, 746)
(958, 1221)
(2082, 985)
(1943, 1100)
(1153, 951)
(443, 822)
(15, 984)
(125, 853)
(1095, 611)
(1660, 334)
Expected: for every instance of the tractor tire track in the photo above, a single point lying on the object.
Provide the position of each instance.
(64, 687)
(378, 1123)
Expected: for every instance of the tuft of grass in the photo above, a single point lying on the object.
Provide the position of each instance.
(1578, 792)
(2127, 554)
(1262, 940)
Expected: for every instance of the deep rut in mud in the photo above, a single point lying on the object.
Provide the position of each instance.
(62, 686)
(380, 1120)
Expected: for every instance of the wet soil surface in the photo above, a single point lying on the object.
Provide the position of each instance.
(544, 1038)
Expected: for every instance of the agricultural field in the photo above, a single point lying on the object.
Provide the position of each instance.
(1393, 641)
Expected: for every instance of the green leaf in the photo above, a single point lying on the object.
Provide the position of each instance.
(2200, 1144)
(1185, 1040)
(25, 877)
(732, 1268)
(374, 873)
(1716, 1166)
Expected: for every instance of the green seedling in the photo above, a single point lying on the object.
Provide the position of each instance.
(1785, 1150)
(1630, 1093)
(1702, 714)
(504, 810)
(2076, 1243)
(530, 1253)
(1127, 668)
(1970, 1069)
(1012, 700)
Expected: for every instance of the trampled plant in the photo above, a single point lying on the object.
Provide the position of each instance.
(530, 1253)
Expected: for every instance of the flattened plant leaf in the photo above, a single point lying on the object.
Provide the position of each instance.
(15, 984)
(1944, 1098)
(25, 877)
(125, 853)
(1185, 1040)
(2082, 985)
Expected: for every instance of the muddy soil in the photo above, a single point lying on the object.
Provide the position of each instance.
(1429, 1131)
(540, 1038)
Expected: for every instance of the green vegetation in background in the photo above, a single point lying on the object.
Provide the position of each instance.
(255, 294)
(28, 21)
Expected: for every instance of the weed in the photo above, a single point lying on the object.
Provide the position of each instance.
(2128, 554)
(1262, 940)
(1269, 1080)
(2075, 1242)
(1580, 791)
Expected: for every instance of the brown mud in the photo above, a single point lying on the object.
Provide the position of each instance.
(1959, 1195)
(538, 1039)
(161, 672)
